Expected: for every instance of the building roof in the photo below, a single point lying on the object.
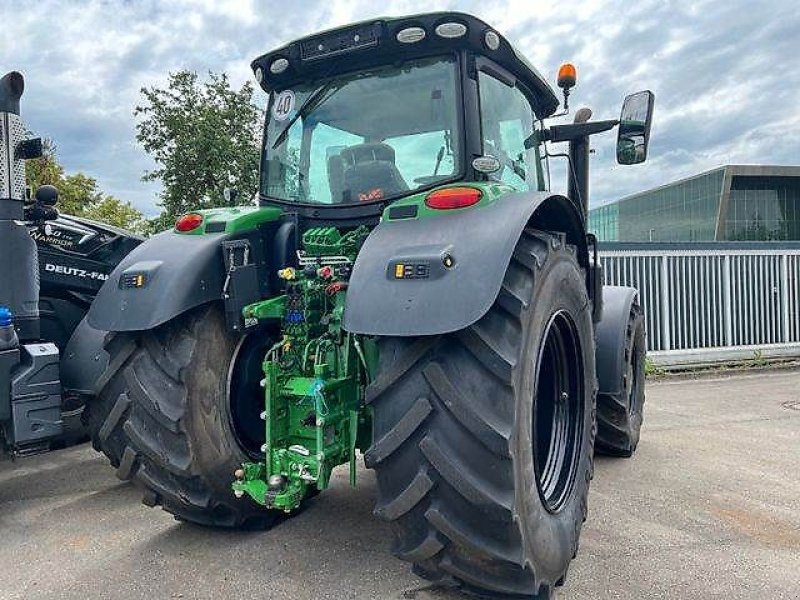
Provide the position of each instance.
(763, 170)
(730, 171)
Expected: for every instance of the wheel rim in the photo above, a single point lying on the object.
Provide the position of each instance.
(634, 380)
(245, 394)
(558, 412)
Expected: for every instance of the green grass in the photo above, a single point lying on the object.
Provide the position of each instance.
(651, 369)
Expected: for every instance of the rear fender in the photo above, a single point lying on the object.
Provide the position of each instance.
(178, 272)
(83, 360)
(174, 272)
(438, 299)
(610, 335)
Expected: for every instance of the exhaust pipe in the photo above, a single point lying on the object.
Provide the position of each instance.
(19, 267)
(11, 87)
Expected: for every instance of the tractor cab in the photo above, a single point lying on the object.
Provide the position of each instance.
(377, 111)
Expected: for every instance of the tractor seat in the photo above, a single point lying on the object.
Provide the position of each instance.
(370, 173)
(336, 178)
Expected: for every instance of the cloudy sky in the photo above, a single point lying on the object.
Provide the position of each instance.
(724, 72)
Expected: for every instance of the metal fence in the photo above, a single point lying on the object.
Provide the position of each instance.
(712, 296)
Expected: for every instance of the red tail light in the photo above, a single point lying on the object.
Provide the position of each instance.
(188, 222)
(455, 197)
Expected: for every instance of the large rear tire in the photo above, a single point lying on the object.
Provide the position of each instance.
(164, 417)
(483, 438)
(620, 415)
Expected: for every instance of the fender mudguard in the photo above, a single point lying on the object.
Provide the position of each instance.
(84, 359)
(610, 335)
(178, 272)
(432, 298)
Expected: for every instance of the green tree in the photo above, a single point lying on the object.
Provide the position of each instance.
(204, 137)
(79, 194)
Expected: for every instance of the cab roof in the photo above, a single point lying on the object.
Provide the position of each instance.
(375, 42)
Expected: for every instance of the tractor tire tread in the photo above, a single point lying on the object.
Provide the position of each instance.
(148, 419)
(447, 479)
(617, 428)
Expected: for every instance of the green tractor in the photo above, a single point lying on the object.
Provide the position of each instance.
(407, 287)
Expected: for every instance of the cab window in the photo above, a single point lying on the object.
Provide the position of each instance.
(368, 136)
(507, 120)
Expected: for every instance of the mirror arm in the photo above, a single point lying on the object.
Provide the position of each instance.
(573, 131)
(567, 133)
(578, 136)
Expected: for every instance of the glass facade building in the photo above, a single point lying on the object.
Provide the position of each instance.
(735, 203)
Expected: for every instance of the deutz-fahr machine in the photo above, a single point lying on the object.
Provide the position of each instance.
(51, 267)
(408, 287)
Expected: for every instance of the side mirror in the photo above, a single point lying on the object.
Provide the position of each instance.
(47, 195)
(634, 128)
(28, 149)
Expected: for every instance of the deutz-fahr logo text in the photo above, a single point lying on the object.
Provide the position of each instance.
(74, 272)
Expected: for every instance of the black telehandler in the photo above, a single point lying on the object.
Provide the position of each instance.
(51, 268)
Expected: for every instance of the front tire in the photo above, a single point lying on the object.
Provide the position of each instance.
(164, 418)
(483, 438)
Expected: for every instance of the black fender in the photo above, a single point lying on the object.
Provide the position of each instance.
(438, 299)
(84, 359)
(610, 337)
(178, 271)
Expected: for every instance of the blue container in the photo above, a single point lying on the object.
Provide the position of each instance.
(8, 335)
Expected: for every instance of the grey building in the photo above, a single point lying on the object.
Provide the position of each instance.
(733, 202)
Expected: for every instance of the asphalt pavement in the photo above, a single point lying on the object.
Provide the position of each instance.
(708, 508)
